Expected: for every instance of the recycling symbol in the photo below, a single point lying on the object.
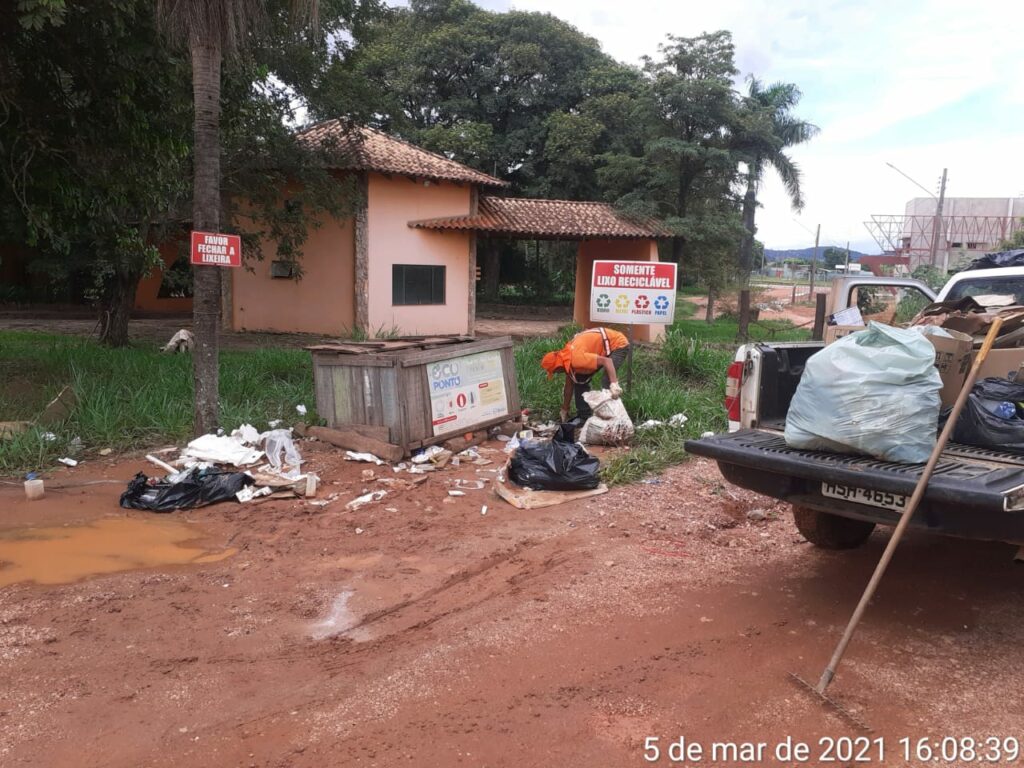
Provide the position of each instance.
(661, 302)
(604, 301)
(642, 302)
(622, 302)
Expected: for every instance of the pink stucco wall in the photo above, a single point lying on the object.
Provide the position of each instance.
(322, 301)
(610, 250)
(392, 203)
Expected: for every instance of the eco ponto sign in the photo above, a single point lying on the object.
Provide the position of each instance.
(633, 292)
(465, 391)
(212, 249)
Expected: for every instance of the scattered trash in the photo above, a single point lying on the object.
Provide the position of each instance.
(222, 449)
(757, 515)
(34, 489)
(182, 341)
(707, 434)
(456, 493)
(368, 457)
(650, 424)
(301, 409)
(428, 454)
(368, 498)
(273, 424)
(556, 465)
(106, 451)
(512, 445)
(503, 438)
(678, 420)
(470, 485)
(358, 531)
(483, 510)
(390, 509)
(49, 437)
(470, 454)
(250, 492)
(67, 462)
(610, 423)
(196, 488)
(368, 474)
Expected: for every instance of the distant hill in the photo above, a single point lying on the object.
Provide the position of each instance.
(802, 253)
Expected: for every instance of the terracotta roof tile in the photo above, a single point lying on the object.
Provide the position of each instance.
(568, 219)
(367, 149)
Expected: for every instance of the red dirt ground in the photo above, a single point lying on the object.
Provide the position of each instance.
(555, 637)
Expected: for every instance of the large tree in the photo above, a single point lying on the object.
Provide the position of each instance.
(93, 145)
(767, 129)
(687, 167)
(212, 30)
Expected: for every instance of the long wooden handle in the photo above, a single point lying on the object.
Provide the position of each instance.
(915, 500)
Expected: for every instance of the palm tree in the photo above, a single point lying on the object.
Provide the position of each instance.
(768, 129)
(211, 30)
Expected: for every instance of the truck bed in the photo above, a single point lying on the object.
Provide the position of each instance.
(974, 492)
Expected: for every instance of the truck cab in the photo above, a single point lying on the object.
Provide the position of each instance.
(838, 499)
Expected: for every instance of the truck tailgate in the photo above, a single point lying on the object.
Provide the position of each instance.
(966, 478)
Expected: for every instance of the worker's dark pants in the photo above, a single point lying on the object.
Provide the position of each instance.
(582, 383)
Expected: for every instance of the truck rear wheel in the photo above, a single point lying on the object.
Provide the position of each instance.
(830, 531)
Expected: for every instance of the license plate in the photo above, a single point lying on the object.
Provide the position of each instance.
(897, 502)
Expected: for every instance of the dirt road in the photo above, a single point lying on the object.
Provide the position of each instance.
(421, 632)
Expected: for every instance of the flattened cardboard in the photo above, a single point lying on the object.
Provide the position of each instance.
(833, 332)
(953, 359)
(1001, 363)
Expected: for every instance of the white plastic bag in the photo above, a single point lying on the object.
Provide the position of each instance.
(281, 452)
(875, 391)
(610, 424)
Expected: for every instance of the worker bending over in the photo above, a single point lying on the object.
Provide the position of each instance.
(580, 359)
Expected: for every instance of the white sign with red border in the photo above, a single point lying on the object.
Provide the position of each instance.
(466, 391)
(213, 249)
(633, 292)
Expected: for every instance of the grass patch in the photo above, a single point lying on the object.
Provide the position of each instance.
(134, 397)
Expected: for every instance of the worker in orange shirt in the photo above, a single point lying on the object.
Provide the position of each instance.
(584, 354)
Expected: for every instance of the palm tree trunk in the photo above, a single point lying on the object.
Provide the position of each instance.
(747, 244)
(206, 63)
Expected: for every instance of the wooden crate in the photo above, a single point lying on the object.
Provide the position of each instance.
(389, 384)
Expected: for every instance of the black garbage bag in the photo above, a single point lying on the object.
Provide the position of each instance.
(559, 464)
(977, 424)
(199, 488)
(1014, 258)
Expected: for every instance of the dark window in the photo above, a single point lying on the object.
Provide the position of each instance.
(416, 284)
(283, 269)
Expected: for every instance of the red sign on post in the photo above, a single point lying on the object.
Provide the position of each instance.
(212, 249)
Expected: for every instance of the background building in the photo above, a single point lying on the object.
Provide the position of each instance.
(968, 227)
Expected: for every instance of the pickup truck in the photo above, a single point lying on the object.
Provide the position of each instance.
(838, 499)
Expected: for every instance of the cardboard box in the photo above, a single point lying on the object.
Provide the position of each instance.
(1001, 363)
(833, 332)
(953, 359)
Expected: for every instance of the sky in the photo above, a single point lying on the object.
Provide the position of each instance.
(921, 84)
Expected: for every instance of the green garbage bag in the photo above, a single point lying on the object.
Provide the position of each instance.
(874, 392)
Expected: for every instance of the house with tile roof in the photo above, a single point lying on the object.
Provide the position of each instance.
(405, 262)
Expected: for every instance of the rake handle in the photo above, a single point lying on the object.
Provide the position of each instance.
(915, 500)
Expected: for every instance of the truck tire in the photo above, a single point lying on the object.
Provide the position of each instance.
(830, 531)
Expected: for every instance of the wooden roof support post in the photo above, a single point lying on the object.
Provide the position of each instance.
(362, 258)
(474, 207)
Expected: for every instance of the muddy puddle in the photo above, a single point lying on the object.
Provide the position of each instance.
(64, 554)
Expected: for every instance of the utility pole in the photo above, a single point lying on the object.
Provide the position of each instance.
(847, 257)
(937, 229)
(814, 260)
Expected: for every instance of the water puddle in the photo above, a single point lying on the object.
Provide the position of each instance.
(340, 622)
(60, 555)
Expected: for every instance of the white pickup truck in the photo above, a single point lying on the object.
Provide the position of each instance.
(837, 499)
